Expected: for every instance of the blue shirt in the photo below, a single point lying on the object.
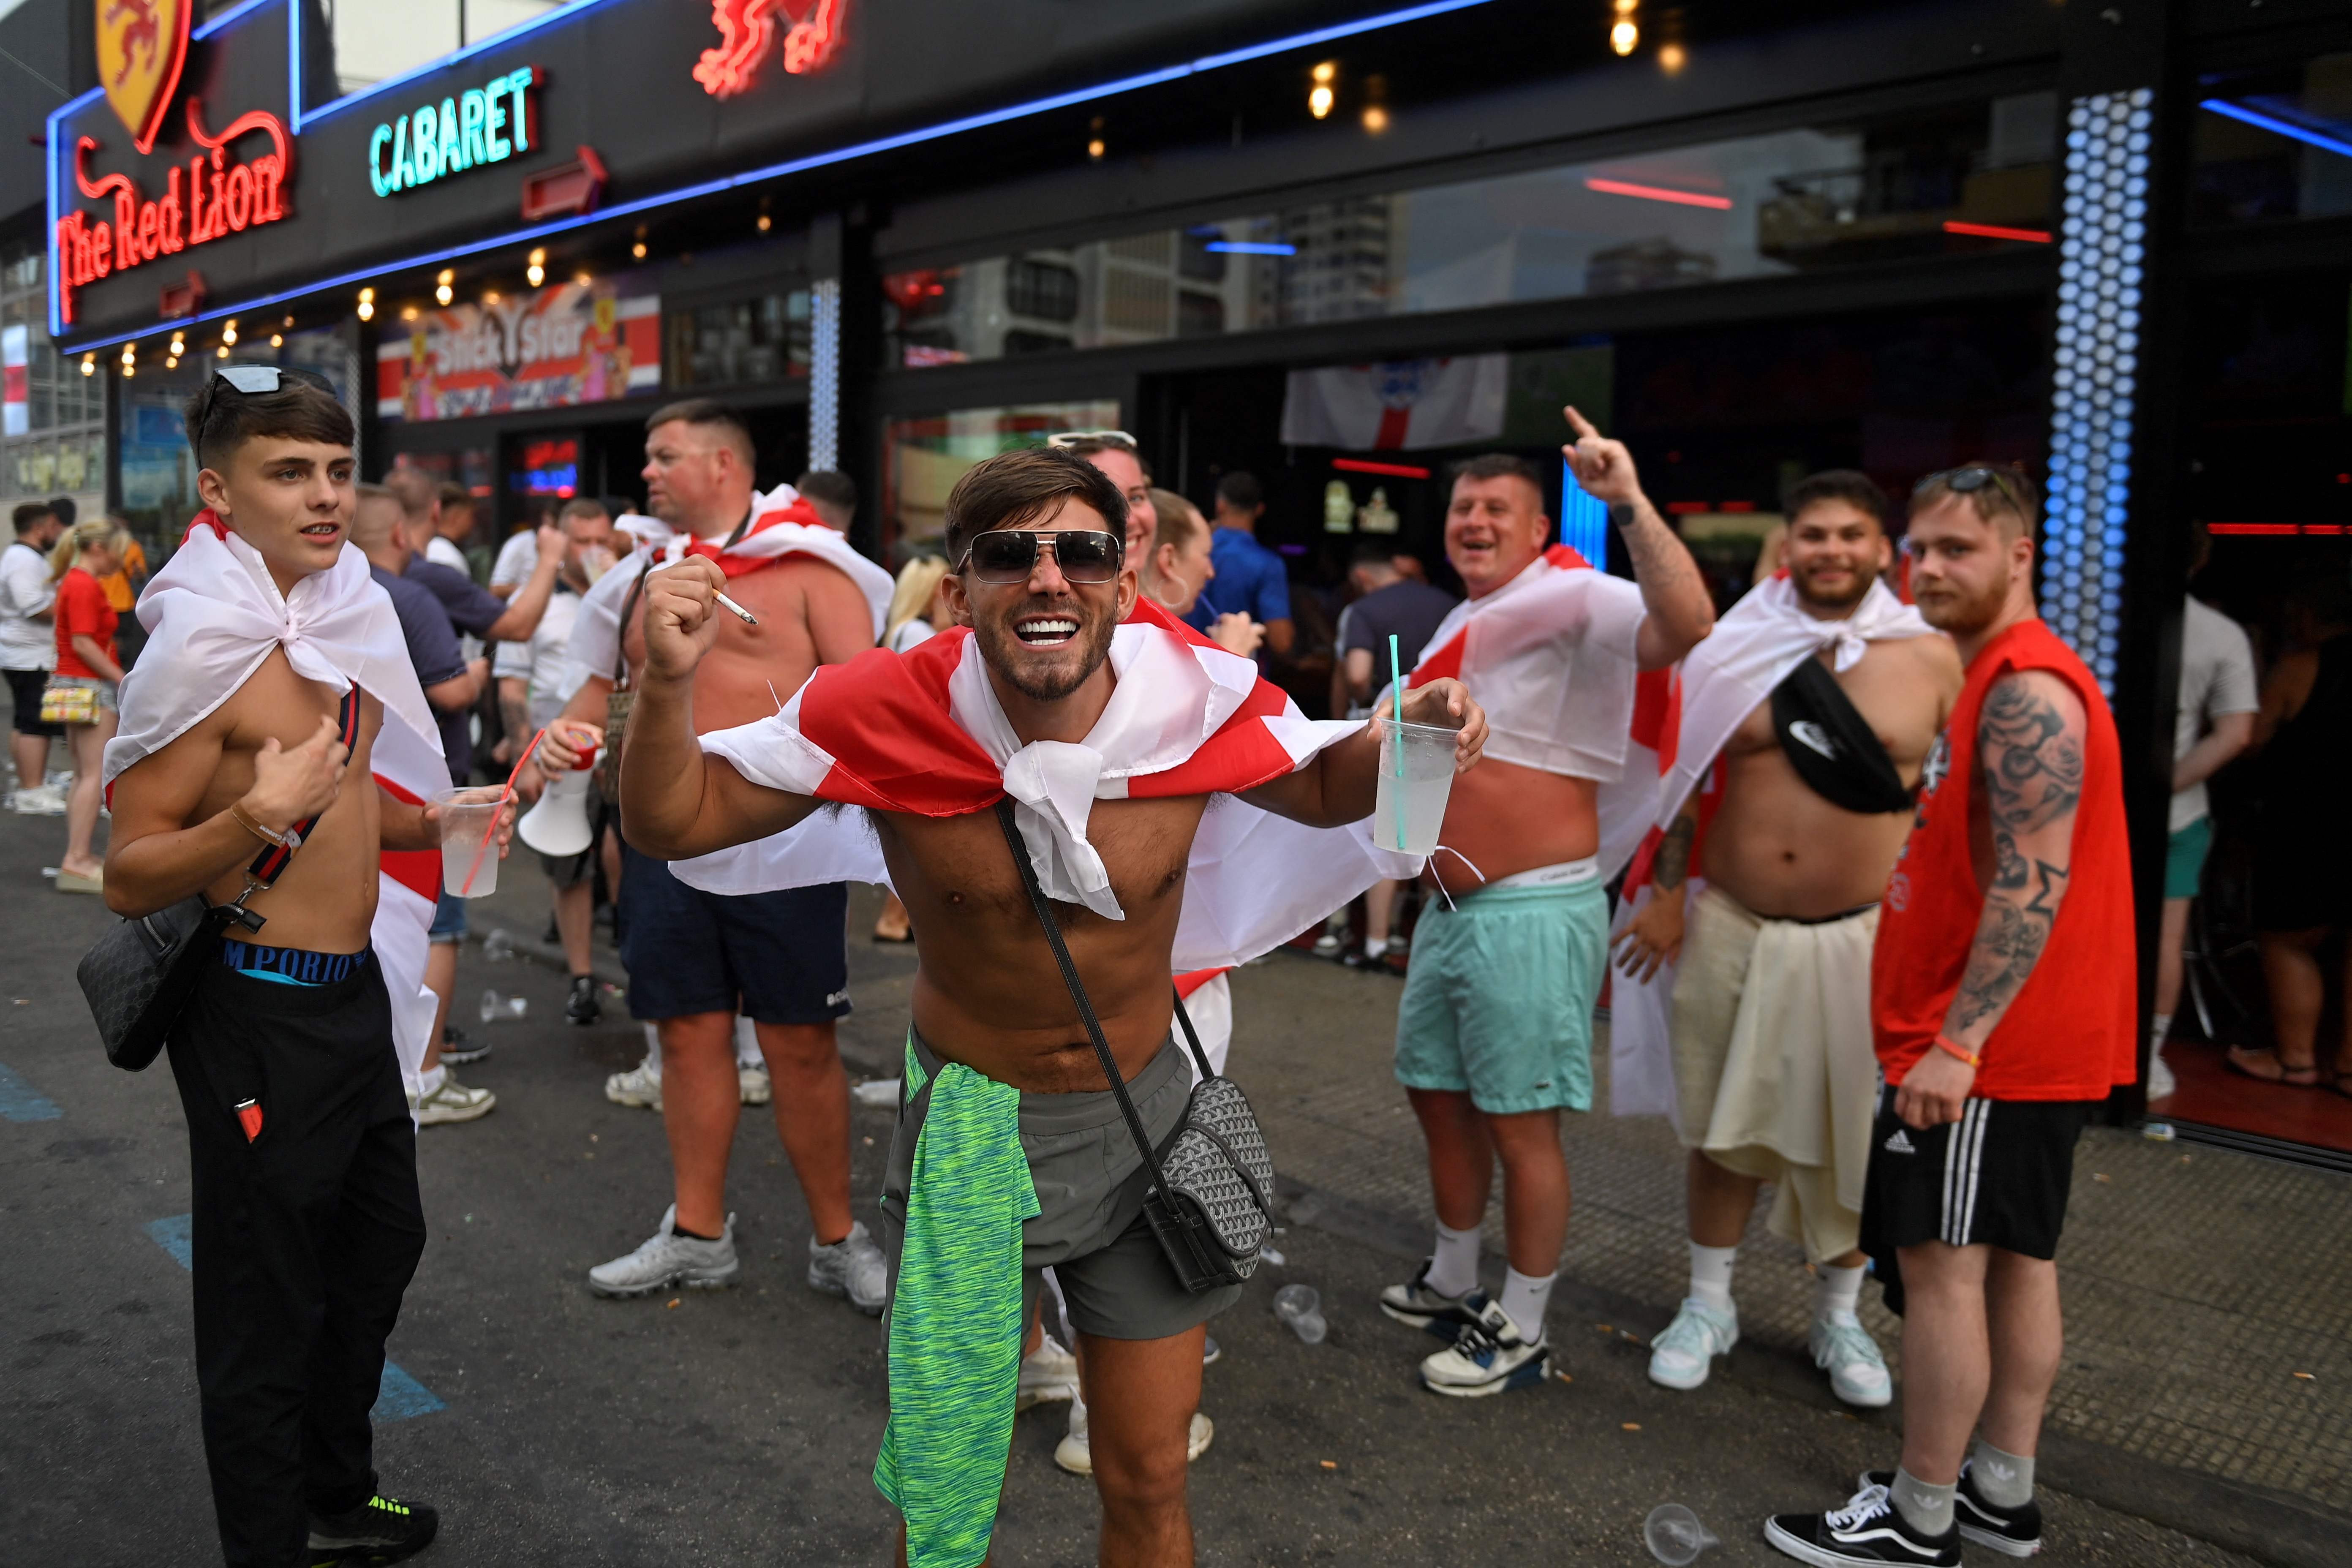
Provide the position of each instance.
(1251, 579)
(433, 649)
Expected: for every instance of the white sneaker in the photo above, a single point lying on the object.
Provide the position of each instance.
(42, 801)
(2161, 1081)
(453, 1101)
(752, 1078)
(1843, 1348)
(1489, 1356)
(668, 1258)
(853, 1266)
(1683, 1355)
(640, 1085)
(1049, 1375)
(1075, 1454)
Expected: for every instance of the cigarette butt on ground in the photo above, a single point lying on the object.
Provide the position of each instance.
(1631, 1426)
(1334, 1464)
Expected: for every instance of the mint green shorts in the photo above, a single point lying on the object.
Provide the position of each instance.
(1498, 999)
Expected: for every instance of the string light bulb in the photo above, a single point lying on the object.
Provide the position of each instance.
(1376, 118)
(130, 359)
(1624, 37)
(179, 345)
(1670, 59)
(446, 286)
(278, 340)
(537, 270)
(228, 332)
(90, 365)
(367, 304)
(1094, 143)
(221, 352)
(581, 277)
(766, 223)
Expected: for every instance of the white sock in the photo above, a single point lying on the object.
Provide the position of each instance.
(653, 1049)
(2157, 1028)
(1840, 1291)
(1454, 1264)
(747, 1045)
(1711, 1274)
(1525, 1300)
(1375, 946)
(430, 1081)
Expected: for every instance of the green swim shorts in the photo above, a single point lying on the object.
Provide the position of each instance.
(1498, 999)
(2184, 858)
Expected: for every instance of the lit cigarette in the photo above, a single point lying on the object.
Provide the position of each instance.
(738, 611)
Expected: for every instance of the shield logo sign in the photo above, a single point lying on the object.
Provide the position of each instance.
(141, 43)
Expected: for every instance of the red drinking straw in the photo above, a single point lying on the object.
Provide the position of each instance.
(505, 795)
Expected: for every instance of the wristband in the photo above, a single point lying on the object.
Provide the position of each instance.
(237, 814)
(1973, 1059)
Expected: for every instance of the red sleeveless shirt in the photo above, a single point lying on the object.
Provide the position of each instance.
(2071, 1031)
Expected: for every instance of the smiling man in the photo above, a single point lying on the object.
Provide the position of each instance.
(1805, 719)
(275, 673)
(1122, 738)
(1495, 1029)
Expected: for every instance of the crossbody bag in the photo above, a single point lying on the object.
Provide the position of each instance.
(1211, 1197)
(140, 974)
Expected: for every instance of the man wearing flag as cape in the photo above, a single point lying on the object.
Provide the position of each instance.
(1804, 721)
(1123, 738)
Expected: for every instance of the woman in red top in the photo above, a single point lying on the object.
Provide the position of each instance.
(86, 554)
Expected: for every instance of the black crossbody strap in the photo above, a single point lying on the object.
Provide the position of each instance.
(1192, 1039)
(271, 863)
(1078, 989)
(621, 636)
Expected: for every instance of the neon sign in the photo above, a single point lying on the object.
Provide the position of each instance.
(229, 199)
(746, 30)
(466, 132)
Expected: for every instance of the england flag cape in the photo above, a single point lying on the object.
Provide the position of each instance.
(213, 614)
(781, 525)
(1752, 649)
(1551, 656)
(922, 733)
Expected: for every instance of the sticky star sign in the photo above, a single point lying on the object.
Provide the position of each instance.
(142, 45)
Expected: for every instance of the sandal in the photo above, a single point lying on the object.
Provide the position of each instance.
(2240, 1060)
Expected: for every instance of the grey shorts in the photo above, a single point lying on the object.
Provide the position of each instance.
(1090, 1229)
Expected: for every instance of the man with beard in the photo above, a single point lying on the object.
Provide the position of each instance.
(1804, 721)
(2003, 1006)
(1114, 738)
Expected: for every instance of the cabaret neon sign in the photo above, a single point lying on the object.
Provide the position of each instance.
(221, 198)
(466, 132)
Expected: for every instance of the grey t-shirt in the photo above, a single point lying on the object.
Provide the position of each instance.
(2217, 676)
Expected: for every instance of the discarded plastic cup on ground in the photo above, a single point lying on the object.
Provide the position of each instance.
(1410, 806)
(881, 1093)
(469, 819)
(1675, 1536)
(1301, 1306)
(497, 945)
(495, 1006)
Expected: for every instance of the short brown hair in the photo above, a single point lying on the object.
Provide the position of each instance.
(581, 506)
(830, 486)
(2009, 500)
(1015, 489)
(414, 488)
(1852, 485)
(707, 414)
(1500, 466)
(220, 420)
(455, 495)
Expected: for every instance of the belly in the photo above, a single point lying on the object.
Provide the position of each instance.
(1787, 854)
(1505, 819)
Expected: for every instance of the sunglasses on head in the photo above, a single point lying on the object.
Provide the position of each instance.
(1090, 555)
(1974, 477)
(1104, 437)
(253, 379)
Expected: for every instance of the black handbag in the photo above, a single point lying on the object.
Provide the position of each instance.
(139, 976)
(1211, 1197)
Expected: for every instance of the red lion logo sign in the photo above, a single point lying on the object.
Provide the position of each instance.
(747, 32)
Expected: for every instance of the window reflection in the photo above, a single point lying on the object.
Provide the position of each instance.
(2274, 144)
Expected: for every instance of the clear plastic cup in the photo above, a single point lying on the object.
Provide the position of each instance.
(469, 819)
(513, 1009)
(1675, 1536)
(1408, 811)
(1301, 1306)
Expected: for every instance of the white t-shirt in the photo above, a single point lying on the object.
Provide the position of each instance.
(2217, 676)
(442, 552)
(540, 660)
(24, 592)
(912, 632)
(517, 558)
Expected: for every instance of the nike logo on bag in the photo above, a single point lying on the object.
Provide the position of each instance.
(1813, 735)
(1900, 1144)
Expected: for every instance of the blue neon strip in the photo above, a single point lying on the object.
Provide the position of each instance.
(753, 176)
(1250, 247)
(1583, 519)
(2282, 127)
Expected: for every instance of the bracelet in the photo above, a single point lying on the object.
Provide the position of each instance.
(237, 815)
(1946, 1042)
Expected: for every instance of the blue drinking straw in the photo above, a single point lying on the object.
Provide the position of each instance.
(1396, 715)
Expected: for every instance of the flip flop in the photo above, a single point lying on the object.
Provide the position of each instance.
(2290, 1077)
(74, 882)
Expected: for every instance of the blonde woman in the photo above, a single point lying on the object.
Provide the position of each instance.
(919, 612)
(1178, 567)
(81, 691)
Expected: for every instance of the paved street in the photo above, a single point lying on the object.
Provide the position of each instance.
(553, 1427)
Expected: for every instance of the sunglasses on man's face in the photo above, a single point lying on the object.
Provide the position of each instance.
(1088, 556)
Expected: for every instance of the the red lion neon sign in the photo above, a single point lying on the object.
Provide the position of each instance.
(747, 31)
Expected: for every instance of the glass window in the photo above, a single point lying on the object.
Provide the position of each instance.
(1969, 178)
(2273, 143)
(924, 455)
(52, 416)
(744, 343)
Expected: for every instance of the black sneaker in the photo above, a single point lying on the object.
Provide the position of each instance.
(581, 1007)
(2016, 1532)
(381, 1529)
(1866, 1531)
(1357, 958)
(1433, 1311)
(461, 1048)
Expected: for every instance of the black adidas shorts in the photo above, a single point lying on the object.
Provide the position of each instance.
(1996, 1177)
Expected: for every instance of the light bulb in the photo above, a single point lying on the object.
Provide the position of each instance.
(221, 352)
(764, 223)
(537, 270)
(172, 362)
(1095, 147)
(1327, 70)
(1376, 118)
(639, 250)
(228, 330)
(90, 365)
(1624, 36)
(1670, 59)
(582, 279)
(1319, 102)
(444, 294)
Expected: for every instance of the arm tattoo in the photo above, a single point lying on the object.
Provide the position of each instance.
(2030, 758)
(2011, 935)
(1671, 867)
(2032, 762)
